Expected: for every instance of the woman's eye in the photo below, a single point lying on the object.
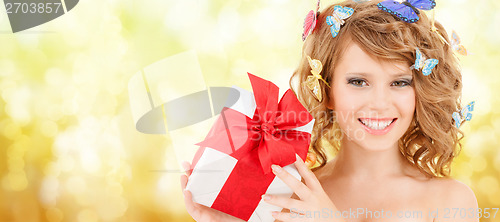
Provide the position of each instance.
(357, 82)
(401, 83)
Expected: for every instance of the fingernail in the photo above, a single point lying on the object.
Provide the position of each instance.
(276, 169)
(266, 197)
(298, 158)
(274, 213)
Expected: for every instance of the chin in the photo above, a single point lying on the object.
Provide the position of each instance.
(377, 144)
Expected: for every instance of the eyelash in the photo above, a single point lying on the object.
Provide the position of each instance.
(405, 82)
(362, 82)
(355, 82)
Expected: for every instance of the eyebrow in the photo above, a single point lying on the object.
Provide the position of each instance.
(364, 74)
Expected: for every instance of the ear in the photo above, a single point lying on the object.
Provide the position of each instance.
(328, 101)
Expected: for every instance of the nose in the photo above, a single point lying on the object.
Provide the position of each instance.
(380, 98)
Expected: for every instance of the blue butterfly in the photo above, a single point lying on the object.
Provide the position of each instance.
(337, 18)
(464, 115)
(407, 10)
(422, 63)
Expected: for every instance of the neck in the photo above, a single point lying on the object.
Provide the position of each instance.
(359, 163)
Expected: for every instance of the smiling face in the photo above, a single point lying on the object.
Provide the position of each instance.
(374, 100)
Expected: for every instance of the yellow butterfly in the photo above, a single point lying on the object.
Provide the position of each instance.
(312, 81)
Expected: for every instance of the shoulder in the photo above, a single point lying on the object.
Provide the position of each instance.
(453, 192)
(451, 195)
(445, 191)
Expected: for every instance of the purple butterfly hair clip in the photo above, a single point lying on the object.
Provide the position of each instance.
(407, 10)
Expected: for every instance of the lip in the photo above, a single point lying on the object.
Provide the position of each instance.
(378, 132)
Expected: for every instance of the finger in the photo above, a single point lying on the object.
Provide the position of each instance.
(188, 201)
(284, 202)
(187, 168)
(184, 180)
(311, 181)
(296, 185)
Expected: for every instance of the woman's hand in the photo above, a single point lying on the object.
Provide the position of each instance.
(312, 197)
(197, 211)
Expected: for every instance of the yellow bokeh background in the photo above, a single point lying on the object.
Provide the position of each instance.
(69, 150)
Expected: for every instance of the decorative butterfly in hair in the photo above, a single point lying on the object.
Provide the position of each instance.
(455, 44)
(425, 64)
(464, 114)
(310, 22)
(337, 18)
(312, 81)
(407, 10)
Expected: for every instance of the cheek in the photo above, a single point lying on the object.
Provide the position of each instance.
(345, 104)
(406, 102)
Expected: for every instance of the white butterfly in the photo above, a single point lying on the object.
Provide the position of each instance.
(337, 18)
(425, 64)
(464, 114)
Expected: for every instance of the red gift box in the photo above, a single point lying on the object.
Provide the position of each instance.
(232, 168)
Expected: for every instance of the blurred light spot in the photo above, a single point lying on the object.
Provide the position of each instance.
(475, 89)
(477, 140)
(15, 165)
(18, 104)
(478, 163)
(29, 41)
(112, 207)
(52, 169)
(488, 185)
(229, 24)
(116, 87)
(465, 170)
(497, 162)
(168, 190)
(54, 112)
(76, 185)
(10, 129)
(494, 199)
(261, 25)
(70, 105)
(66, 162)
(115, 188)
(87, 215)
(90, 161)
(8, 67)
(55, 77)
(16, 181)
(15, 151)
(48, 128)
(88, 198)
(176, 17)
(54, 214)
(49, 191)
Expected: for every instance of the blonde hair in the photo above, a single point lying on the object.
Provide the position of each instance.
(431, 141)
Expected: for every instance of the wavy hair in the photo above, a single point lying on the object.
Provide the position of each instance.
(431, 141)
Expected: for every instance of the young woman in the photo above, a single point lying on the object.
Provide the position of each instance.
(385, 99)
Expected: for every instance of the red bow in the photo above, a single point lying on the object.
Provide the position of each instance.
(269, 132)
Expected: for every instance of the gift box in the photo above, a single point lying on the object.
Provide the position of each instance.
(232, 167)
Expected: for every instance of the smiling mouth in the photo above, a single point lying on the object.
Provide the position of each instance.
(377, 124)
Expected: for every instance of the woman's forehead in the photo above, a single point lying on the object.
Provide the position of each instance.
(356, 60)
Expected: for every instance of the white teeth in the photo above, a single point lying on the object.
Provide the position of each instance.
(376, 125)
